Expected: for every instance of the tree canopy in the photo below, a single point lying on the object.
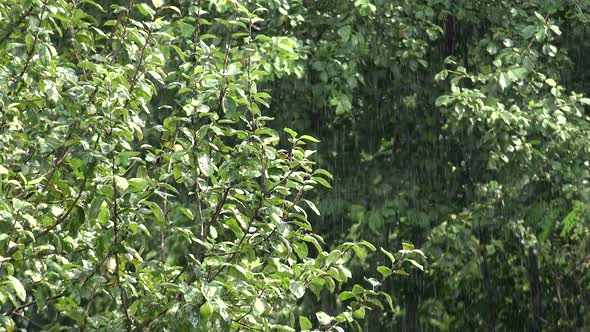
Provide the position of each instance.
(261, 165)
(141, 187)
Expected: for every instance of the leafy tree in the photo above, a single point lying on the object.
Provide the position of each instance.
(140, 175)
(468, 123)
(141, 187)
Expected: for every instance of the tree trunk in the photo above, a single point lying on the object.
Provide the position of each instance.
(489, 306)
(536, 308)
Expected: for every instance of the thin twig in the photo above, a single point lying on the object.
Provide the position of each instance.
(59, 221)
(29, 56)
(223, 72)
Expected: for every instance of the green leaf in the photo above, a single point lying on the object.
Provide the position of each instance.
(360, 251)
(322, 181)
(528, 31)
(121, 183)
(156, 211)
(323, 318)
(305, 323)
(443, 100)
(158, 3)
(420, 252)
(137, 184)
(384, 270)
(344, 32)
(368, 245)
(309, 138)
(312, 206)
(503, 80)
(520, 73)
(555, 29)
(145, 9)
(388, 299)
(442, 75)
(19, 290)
(296, 288)
(291, 132)
(416, 264)
(105, 213)
(401, 272)
(358, 289)
(359, 313)
(374, 282)
(205, 164)
(323, 172)
(551, 82)
(346, 295)
(187, 212)
(93, 3)
(333, 257)
(258, 307)
(56, 210)
(376, 302)
(388, 254)
(407, 246)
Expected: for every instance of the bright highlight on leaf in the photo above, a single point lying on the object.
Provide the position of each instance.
(18, 288)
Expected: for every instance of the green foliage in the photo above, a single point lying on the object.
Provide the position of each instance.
(575, 220)
(462, 126)
(141, 187)
(143, 178)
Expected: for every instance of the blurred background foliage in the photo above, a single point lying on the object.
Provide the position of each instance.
(461, 126)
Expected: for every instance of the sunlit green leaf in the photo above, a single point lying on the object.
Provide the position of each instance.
(296, 288)
(18, 287)
(305, 323)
